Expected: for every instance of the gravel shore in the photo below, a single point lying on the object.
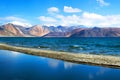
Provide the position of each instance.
(91, 59)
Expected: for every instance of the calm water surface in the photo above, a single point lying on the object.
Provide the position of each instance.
(19, 66)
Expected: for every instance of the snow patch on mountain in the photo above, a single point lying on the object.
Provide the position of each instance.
(21, 23)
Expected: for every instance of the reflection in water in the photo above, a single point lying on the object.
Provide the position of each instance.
(68, 65)
(90, 76)
(53, 63)
(98, 73)
(15, 54)
(101, 71)
(17, 66)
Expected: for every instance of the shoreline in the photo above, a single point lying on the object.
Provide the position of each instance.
(90, 59)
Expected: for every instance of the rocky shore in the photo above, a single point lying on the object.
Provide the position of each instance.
(91, 59)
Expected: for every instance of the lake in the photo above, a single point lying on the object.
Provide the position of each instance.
(20, 66)
(110, 46)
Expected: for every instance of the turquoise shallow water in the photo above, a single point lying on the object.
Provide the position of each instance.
(19, 66)
(85, 45)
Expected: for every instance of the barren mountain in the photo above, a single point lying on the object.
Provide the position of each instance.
(96, 32)
(59, 31)
(10, 30)
(38, 30)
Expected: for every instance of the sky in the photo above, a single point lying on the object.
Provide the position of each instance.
(101, 13)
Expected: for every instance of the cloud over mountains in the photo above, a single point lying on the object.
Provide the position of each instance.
(15, 20)
(76, 16)
(68, 16)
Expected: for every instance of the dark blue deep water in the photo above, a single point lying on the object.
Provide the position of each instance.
(85, 45)
(20, 66)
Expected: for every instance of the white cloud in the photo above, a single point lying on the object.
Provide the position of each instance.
(53, 10)
(21, 23)
(12, 18)
(68, 20)
(103, 3)
(46, 19)
(92, 19)
(15, 20)
(68, 9)
(87, 19)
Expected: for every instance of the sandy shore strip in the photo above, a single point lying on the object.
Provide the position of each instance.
(91, 59)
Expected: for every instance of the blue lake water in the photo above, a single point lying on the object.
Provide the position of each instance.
(19, 66)
(98, 45)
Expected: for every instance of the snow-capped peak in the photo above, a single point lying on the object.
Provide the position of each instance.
(21, 23)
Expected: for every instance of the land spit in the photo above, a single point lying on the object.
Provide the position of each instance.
(91, 59)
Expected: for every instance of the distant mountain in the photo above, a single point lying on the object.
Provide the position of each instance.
(60, 29)
(96, 32)
(57, 34)
(10, 30)
(38, 30)
(14, 30)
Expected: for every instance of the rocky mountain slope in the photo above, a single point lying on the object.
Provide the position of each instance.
(96, 32)
(12, 30)
(38, 30)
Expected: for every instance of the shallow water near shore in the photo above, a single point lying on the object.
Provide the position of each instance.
(19, 66)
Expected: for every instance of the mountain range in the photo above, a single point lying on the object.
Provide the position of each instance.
(13, 30)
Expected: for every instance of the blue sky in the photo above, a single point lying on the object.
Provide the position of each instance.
(102, 13)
